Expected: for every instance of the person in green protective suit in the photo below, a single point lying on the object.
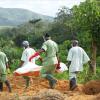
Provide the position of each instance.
(50, 60)
(3, 67)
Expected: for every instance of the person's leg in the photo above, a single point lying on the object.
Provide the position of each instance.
(52, 80)
(8, 85)
(27, 79)
(50, 77)
(1, 83)
(47, 73)
(73, 82)
(4, 79)
(1, 86)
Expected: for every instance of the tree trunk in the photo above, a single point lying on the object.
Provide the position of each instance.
(94, 49)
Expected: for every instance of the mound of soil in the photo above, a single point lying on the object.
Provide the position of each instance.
(92, 87)
(49, 94)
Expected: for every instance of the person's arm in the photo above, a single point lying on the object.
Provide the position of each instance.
(21, 63)
(40, 51)
(43, 49)
(8, 68)
(68, 64)
(69, 58)
(58, 65)
(90, 66)
(40, 58)
(7, 65)
(36, 54)
(86, 59)
(6, 62)
(23, 58)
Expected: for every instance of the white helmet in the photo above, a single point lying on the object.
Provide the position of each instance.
(25, 43)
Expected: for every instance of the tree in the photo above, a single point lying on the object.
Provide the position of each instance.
(87, 18)
(61, 27)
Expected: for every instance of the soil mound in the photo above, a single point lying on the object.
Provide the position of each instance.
(49, 94)
(92, 87)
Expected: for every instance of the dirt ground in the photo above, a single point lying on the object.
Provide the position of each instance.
(39, 90)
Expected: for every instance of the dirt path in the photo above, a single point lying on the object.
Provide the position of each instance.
(39, 89)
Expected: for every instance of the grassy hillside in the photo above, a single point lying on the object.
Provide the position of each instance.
(16, 16)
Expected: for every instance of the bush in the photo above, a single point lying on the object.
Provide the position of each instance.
(63, 51)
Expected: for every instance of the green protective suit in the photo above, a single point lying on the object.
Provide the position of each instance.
(3, 61)
(49, 61)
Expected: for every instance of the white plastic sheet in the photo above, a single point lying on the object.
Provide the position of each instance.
(63, 67)
(28, 67)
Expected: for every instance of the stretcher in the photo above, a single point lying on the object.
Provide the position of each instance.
(30, 69)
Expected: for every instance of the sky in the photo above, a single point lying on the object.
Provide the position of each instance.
(45, 7)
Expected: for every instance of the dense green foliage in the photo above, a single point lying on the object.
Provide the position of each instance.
(81, 22)
(87, 18)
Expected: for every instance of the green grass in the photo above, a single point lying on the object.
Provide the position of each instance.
(82, 77)
(62, 76)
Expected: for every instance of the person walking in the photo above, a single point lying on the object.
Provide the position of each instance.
(27, 53)
(3, 75)
(76, 58)
(50, 61)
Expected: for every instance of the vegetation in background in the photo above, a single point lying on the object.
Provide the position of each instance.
(81, 22)
(87, 18)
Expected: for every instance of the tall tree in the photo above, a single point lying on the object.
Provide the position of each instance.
(87, 18)
(61, 27)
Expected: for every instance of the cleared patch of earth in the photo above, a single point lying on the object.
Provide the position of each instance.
(39, 90)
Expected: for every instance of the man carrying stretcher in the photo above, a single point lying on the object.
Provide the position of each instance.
(50, 61)
(27, 68)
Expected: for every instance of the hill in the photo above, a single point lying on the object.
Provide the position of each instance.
(17, 16)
